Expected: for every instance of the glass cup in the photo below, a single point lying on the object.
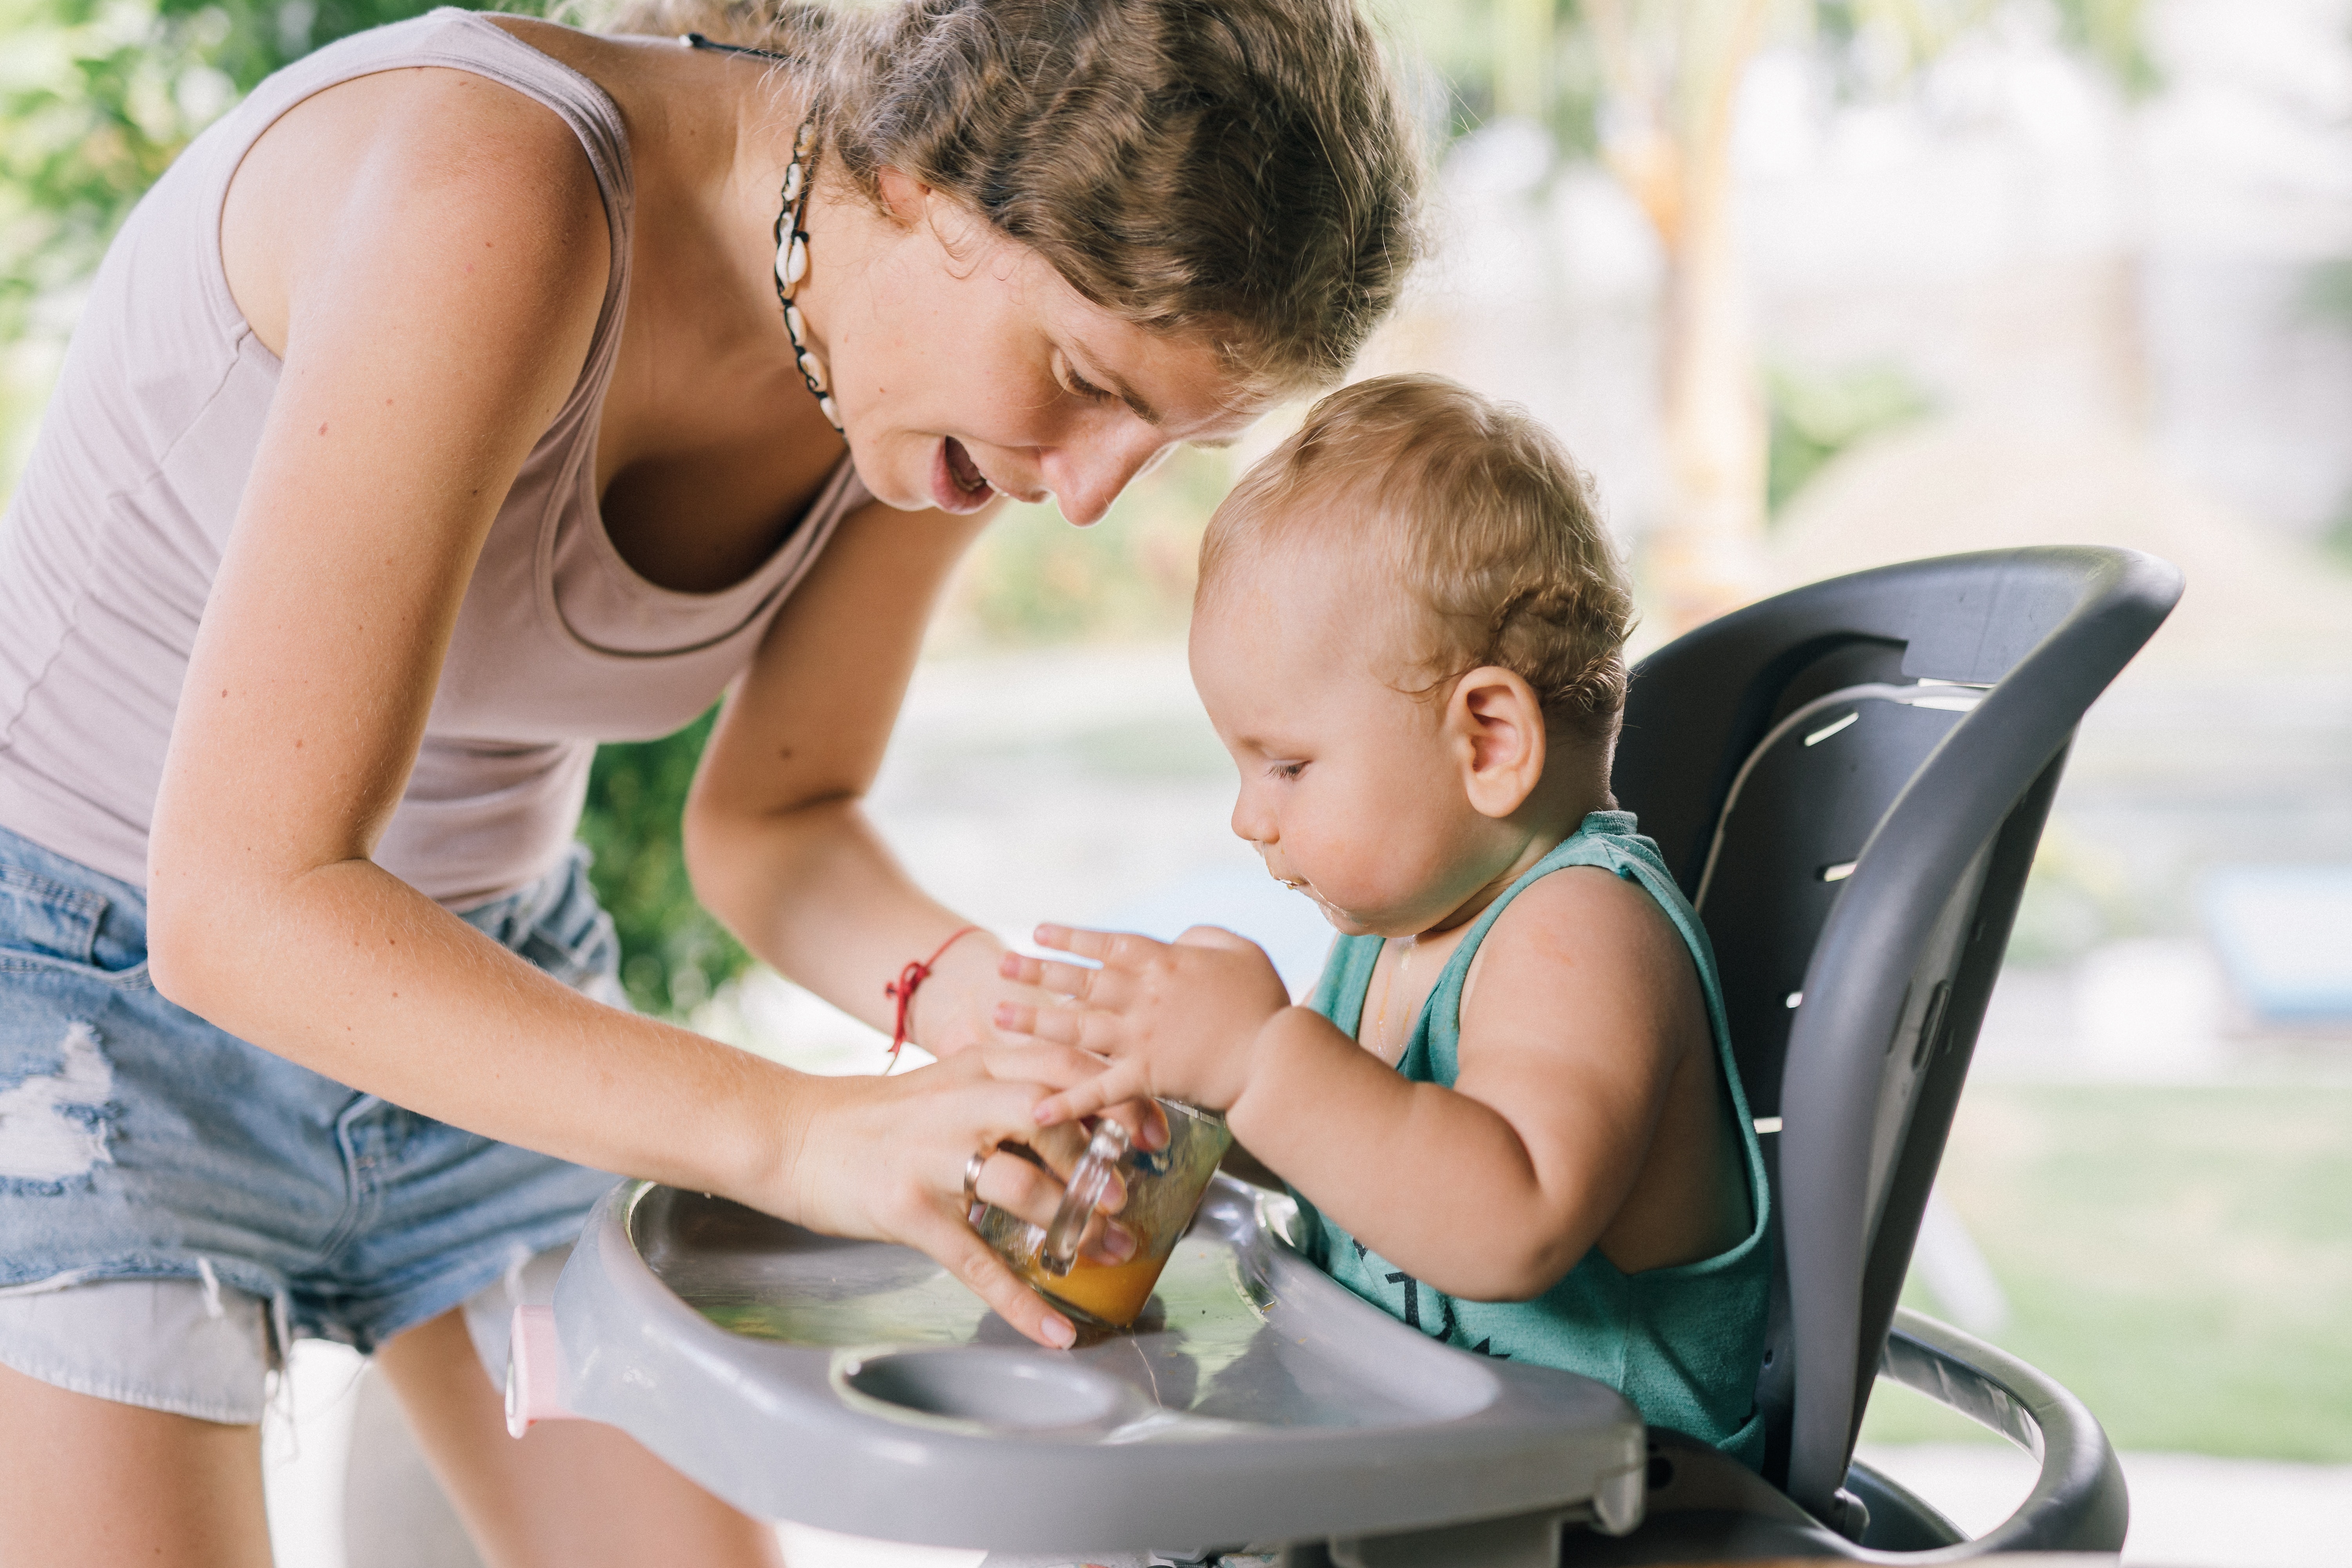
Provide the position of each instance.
(1164, 1187)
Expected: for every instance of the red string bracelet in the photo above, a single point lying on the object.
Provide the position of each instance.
(902, 991)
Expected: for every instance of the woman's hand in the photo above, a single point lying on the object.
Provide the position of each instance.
(955, 1007)
(885, 1159)
(1179, 1020)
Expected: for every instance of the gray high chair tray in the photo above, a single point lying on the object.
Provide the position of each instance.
(842, 1385)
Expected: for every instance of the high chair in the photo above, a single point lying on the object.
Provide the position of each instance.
(1849, 780)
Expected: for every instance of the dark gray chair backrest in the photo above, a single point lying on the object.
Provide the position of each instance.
(1849, 781)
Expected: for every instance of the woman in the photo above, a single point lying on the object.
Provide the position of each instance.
(435, 417)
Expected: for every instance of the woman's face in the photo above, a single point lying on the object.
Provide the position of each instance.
(965, 366)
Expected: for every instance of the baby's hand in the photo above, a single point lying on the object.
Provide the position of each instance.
(1179, 1020)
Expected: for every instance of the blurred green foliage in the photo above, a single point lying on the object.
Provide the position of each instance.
(1874, 43)
(2328, 298)
(674, 955)
(2176, 1256)
(97, 96)
(2079, 894)
(2113, 34)
(1036, 579)
(1539, 58)
(2335, 538)
(2327, 291)
(1814, 417)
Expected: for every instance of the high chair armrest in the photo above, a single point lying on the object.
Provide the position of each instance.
(2079, 1502)
(1704, 1506)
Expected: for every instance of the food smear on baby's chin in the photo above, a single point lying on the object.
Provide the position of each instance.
(1113, 1293)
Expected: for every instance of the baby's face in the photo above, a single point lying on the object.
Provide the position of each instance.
(1349, 788)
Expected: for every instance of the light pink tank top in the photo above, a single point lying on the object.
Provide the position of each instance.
(108, 551)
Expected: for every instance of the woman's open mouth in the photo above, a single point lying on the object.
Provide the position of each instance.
(957, 483)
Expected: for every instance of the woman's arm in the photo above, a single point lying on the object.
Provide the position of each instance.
(777, 841)
(436, 285)
(1581, 1011)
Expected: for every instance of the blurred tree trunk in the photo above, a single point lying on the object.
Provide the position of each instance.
(1672, 70)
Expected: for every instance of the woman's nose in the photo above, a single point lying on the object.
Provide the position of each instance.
(1088, 474)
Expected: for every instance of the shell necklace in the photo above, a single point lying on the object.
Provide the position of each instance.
(791, 236)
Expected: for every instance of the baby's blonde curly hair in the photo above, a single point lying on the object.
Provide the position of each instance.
(1477, 513)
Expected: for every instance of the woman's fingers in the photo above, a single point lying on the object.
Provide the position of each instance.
(1020, 1188)
(1146, 1123)
(1028, 1193)
(1042, 1063)
(1062, 1146)
(971, 1260)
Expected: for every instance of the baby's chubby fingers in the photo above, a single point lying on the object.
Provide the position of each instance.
(1075, 1027)
(1101, 987)
(1115, 1087)
(1218, 937)
(1060, 1067)
(1112, 949)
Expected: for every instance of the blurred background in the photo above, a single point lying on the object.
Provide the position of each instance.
(1808, 287)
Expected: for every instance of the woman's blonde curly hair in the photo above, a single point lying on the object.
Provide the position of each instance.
(1476, 512)
(1243, 170)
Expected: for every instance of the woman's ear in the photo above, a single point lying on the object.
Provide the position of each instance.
(960, 232)
(904, 197)
(1497, 728)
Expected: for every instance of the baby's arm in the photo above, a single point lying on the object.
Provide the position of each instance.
(1581, 1015)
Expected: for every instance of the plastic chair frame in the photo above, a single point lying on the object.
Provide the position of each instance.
(1932, 894)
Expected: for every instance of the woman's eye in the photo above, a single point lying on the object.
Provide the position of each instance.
(1288, 770)
(1079, 386)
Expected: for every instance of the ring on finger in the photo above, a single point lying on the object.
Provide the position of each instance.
(971, 1169)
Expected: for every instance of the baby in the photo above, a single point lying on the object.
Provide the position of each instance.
(1509, 1111)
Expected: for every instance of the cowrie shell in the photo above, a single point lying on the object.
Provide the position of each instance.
(794, 324)
(792, 262)
(831, 414)
(792, 184)
(814, 371)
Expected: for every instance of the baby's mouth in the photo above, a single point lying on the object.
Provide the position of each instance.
(1296, 884)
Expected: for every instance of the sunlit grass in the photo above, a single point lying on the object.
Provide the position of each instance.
(2179, 1258)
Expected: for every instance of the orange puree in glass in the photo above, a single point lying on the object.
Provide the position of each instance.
(1114, 1292)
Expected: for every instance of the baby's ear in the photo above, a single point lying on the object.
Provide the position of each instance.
(1497, 726)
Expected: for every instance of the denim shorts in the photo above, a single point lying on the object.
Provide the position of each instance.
(176, 1205)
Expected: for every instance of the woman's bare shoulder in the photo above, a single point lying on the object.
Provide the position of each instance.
(426, 160)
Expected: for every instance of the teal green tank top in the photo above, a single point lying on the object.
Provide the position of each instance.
(1684, 1344)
